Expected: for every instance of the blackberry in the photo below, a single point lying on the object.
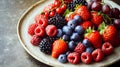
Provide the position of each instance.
(57, 20)
(46, 44)
(73, 4)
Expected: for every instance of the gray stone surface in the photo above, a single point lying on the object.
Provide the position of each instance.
(12, 53)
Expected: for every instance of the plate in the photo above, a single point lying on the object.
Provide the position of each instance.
(28, 17)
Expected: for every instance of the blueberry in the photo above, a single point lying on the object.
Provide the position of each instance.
(72, 24)
(62, 58)
(71, 45)
(60, 33)
(67, 53)
(66, 37)
(75, 37)
(67, 30)
(79, 29)
(89, 49)
(86, 43)
(78, 19)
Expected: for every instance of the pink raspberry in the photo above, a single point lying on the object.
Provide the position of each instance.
(42, 22)
(31, 29)
(40, 31)
(79, 48)
(97, 55)
(73, 57)
(86, 57)
(107, 48)
(35, 40)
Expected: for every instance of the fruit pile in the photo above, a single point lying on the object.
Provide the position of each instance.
(76, 30)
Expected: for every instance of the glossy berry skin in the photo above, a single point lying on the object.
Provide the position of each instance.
(96, 6)
(86, 43)
(59, 10)
(72, 23)
(62, 58)
(67, 30)
(78, 19)
(74, 58)
(86, 57)
(117, 23)
(52, 14)
(115, 12)
(59, 47)
(79, 30)
(66, 37)
(89, 49)
(79, 48)
(31, 29)
(97, 55)
(63, 7)
(71, 45)
(106, 9)
(40, 31)
(75, 37)
(59, 33)
(35, 40)
(51, 30)
(107, 48)
(86, 24)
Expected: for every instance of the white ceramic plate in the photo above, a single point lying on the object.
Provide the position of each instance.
(28, 18)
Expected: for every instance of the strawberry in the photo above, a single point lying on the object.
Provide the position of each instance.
(83, 12)
(59, 47)
(86, 24)
(109, 34)
(96, 18)
(71, 16)
(94, 37)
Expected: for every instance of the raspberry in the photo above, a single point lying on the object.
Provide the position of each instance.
(79, 48)
(35, 40)
(39, 31)
(31, 29)
(43, 22)
(97, 55)
(86, 57)
(107, 48)
(51, 30)
(74, 58)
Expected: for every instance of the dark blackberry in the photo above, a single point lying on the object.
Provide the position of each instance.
(71, 6)
(57, 20)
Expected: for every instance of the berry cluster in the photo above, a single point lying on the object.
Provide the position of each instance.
(88, 33)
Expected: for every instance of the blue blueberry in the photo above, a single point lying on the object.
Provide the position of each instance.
(62, 58)
(71, 45)
(67, 30)
(79, 29)
(89, 49)
(72, 24)
(75, 37)
(86, 43)
(78, 19)
(66, 37)
(60, 33)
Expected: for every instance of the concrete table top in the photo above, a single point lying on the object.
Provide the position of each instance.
(12, 54)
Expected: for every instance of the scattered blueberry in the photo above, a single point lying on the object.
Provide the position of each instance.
(78, 19)
(86, 43)
(89, 49)
(75, 37)
(60, 33)
(62, 58)
(71, 45)
(72, 24)
(66, 37)
(79, 29)
(67, 30)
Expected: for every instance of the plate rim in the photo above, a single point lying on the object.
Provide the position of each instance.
(26, 48)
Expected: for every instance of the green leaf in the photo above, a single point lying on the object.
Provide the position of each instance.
(67, 12)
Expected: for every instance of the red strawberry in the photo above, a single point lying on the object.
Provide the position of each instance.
(86, 24)
(70, 17)
(31, 28)
(59, 47)
(96, 18)
(95, 38)
(83, 12)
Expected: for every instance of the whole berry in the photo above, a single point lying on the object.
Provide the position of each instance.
(79, 48)
(86, 57)
(66, 37)
(35, 40)
(67, 30)
(89, 49)
(75, 37)
(59, 33)
(117, 23)
(97, 55)
(79, 30)
(31, 28)
(73, 58)
(96, 6)
(86, 43)
(78, 19)
(40, 31)
(62, 58)
(43, 22)
(72, 23)
(107, 48)
(71, 45)
(86, 24)
(51, 30)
